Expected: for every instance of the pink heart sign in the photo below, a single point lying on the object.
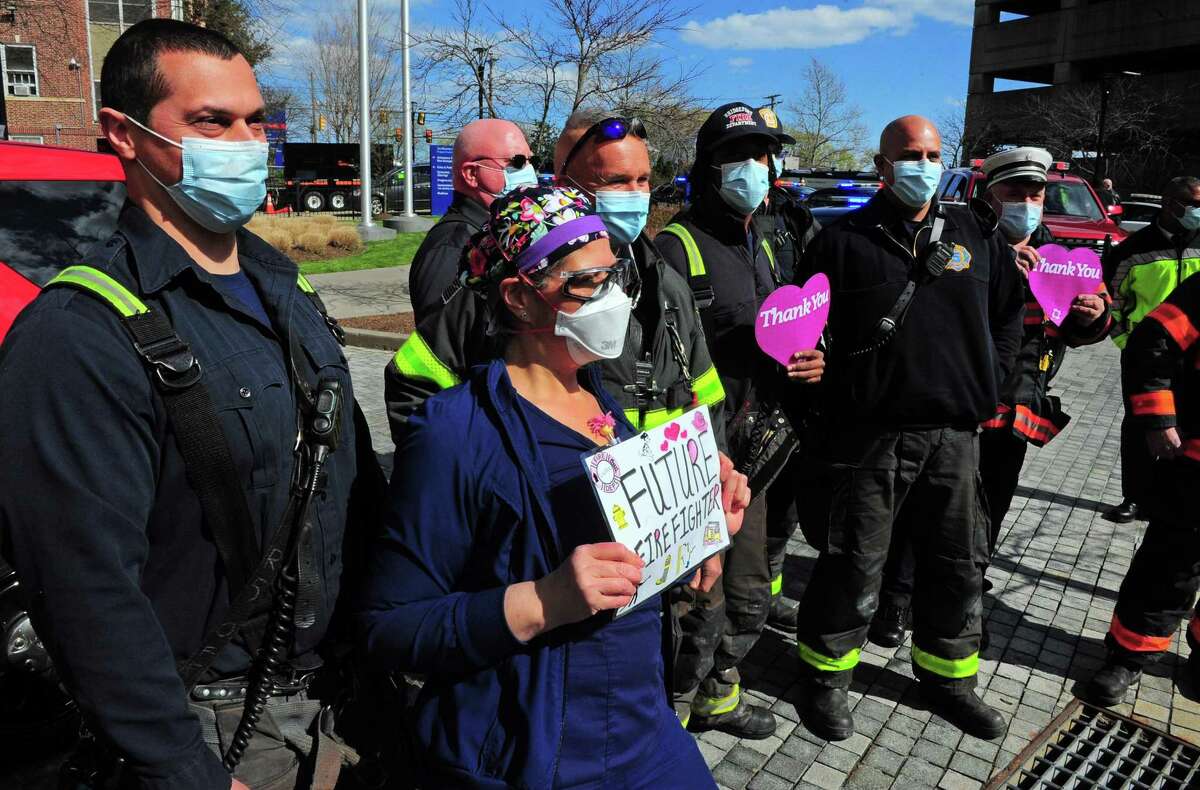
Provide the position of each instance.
(1061, 275)
(791, 319)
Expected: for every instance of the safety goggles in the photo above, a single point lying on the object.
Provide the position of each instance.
(584, 285)
(607, 130)
(517, 162)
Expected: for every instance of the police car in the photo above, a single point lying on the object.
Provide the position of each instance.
(1073, 211)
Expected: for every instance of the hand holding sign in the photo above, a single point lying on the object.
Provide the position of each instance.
(1063, 275)
(791, 319)
(661, 494)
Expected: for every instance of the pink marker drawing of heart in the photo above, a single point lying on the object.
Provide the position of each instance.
(1062, 275)
(791, 319)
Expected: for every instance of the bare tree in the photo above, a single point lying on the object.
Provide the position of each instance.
(952, 125)
(456, 64)
(827, 126)
(1133, 126)
(335, 72)
(606, 44)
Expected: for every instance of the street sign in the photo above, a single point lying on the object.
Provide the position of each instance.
(441, 180)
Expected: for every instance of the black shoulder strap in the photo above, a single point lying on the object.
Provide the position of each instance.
(890, 324)
(177, 374)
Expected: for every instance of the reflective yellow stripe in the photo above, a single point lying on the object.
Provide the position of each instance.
(777, 584)
(708, 389)
(304, 284)
(715, 706)
(653, 417)
(826, 664)
(100, 284)
(695, 259)
(946, 667)
(770, 254)
(416, 360)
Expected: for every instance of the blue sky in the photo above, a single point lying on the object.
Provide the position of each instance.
(896, 56)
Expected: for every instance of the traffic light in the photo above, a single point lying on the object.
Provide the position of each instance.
(321, 122)
(429, 135)
(383, 116)
(399, 134)
(420, 119)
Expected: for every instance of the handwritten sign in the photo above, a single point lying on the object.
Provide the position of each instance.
(791, 319)
(1061, 275)
(660, 492)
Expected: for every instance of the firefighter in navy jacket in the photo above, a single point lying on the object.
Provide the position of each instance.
(902, 410)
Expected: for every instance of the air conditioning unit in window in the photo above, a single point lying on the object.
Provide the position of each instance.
(22, 90)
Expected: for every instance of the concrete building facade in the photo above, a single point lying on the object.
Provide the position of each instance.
(51, 52)
(1152, 47)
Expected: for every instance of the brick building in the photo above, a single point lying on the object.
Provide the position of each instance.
(1148, 46)
(51, 52)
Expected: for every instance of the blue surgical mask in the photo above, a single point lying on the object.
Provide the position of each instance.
(224, 181)
(624, 213)
(516, 177)
(915, 182)
(1020, 220)
(744, 185)
(1191, 218)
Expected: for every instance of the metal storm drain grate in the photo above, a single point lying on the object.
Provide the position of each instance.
(1087, 747)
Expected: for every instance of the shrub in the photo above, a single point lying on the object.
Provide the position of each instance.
(345, 237)
(311, 241)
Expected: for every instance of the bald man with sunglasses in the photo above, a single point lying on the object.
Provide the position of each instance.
(491, 156)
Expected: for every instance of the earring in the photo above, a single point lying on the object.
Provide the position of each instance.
(524, 315)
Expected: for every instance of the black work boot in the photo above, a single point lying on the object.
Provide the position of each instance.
(1108, 686)
(784, 614)
(1193, 666)
(825, 711)
(958, 704)
(744, 721)
(888, 626)
(1123, 513)
(720, 705)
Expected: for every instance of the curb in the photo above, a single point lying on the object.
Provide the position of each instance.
(369, 338)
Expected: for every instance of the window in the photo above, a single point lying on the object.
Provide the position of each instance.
(20, 70)
(26, 138)
(52, 224)
(108, 19)
(954, 189)
(119, 12)
(1071, 199)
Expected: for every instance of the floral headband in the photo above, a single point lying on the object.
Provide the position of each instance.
(529, 230)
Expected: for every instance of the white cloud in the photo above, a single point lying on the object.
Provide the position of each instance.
(822, 25)
(740, 64)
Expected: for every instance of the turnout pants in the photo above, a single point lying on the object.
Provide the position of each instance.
(872, 476)
(1001, 456)
(782, 519)
(721, 626)
(1161, 585)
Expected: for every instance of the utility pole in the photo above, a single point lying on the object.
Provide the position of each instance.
(772, 100)
(312, 97)
(1101, 164)
(406, 108)
(364, 118)
(491, 96)
(480, 52)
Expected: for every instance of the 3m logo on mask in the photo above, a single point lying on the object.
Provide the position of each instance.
(960, 260)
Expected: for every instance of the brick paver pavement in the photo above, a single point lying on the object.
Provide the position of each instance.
(1056, 575)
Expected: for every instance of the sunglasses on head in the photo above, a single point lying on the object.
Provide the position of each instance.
(607, 130)
(517, 162)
